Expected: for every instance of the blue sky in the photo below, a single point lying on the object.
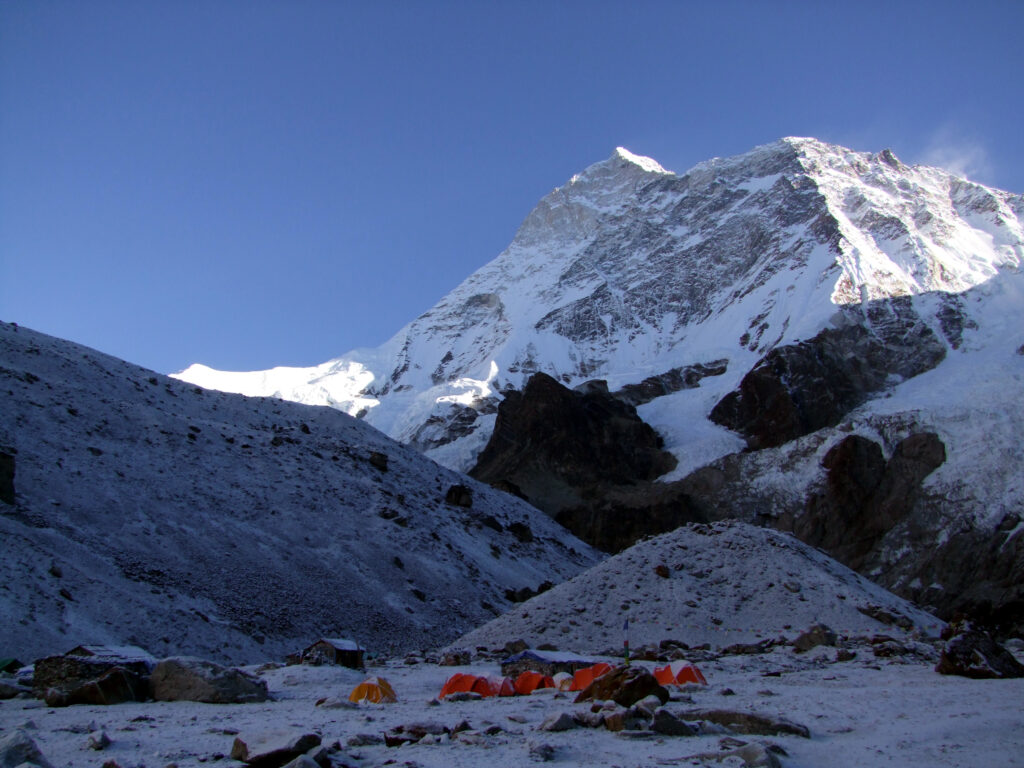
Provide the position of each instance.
(249, 184)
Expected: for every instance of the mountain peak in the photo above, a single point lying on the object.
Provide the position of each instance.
(646, 163)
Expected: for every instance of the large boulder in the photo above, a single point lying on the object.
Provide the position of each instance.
(748, 722)
(190, 679)
(17, 749)
(272, 749)
(625, 686)
(68, 671)
(116, 686)
(971, 652)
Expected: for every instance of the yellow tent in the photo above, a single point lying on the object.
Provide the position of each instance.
(373, 689)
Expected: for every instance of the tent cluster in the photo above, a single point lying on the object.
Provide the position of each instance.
(524, 684)
(377, 690)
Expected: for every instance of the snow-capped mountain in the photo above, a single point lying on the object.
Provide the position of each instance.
(821, 337)
(630, 271)
(138, 509)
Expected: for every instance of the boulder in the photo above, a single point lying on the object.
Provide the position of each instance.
(971, 652)
(67, 674)
(817, 635)
(16, 748)
(7, 478)
(9, 689)
(115, 686)
(272, 749)
(558, 721)
(625, 686)
(190, 679)
(669, 724)
(748, 722)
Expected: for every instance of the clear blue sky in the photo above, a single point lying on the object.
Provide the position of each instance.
(248, 184)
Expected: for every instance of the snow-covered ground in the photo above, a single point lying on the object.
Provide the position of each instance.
(864, 713)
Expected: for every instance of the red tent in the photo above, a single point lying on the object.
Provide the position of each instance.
(584, 677)
(679, 673)
(485, 686)
(529, 681)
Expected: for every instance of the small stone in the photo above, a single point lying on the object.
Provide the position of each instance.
(558, 721)
(541, 752)
(98, 740)
(365, 740)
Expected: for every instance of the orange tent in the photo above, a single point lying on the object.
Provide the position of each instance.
(584, 677)
(679, 673)
(373, 689)
(485, 686)
(529, 681)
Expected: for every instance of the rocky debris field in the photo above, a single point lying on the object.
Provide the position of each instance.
(845, 701)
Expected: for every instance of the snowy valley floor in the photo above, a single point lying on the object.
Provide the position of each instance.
(866, 712)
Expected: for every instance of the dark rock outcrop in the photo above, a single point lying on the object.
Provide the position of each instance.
(115, 686)
(586, 458)
(188, 679)
(971, 652)
(66, 680)
(685, 377)
(866, 496)
(800, 388)
(562, 448)
(7, 477)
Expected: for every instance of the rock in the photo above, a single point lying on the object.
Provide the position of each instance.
(463, 696)
(334, 703)
(272, 749)
(817, 635)
(799, 388)
(624, 686)
(748, 649)
(7, 477)
(541, 752)
(89, 680)
(590, 719)
(459, 495)
(17, 748)
(116, 686)
(512, 647)
(748, 722)
(455, 657)
(971, 652)
(844, 654)
(191, 679)
(670, 725)
(379, 460)
(365, 740)
(649, 705)
(98, 741)
(564, 449)
(558, 721)
(10, 689)
(753, 755)
(303, 761)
